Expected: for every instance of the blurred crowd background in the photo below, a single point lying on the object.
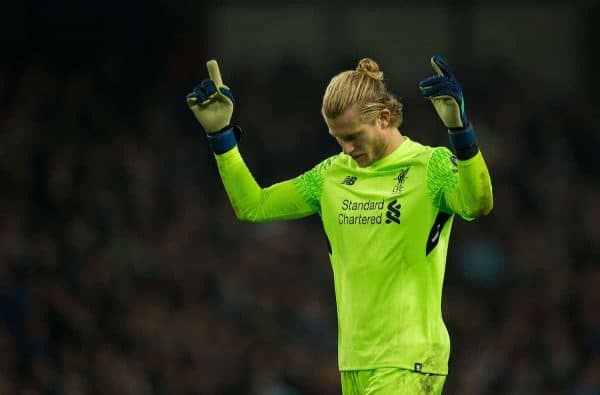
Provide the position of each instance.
(124, 271)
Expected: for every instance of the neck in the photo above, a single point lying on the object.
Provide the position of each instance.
(393, 141)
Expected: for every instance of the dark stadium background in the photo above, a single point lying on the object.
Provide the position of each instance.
(124, 271)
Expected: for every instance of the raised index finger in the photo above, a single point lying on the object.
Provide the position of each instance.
(440, 66)
(214, 73)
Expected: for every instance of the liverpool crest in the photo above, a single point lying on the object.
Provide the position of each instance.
(400, 179)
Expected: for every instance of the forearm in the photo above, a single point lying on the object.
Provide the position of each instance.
(473, 195)
(252, 203)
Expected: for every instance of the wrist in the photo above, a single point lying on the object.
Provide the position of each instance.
(464, 142)
(224, 140)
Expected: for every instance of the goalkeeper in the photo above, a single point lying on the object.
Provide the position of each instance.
(387, 204)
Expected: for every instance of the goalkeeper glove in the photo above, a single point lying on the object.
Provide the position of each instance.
(212, 104)
(445, 93)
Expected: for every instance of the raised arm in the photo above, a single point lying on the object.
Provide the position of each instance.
(469, 192)
(281, 201)
(212, 104)
(460, 187)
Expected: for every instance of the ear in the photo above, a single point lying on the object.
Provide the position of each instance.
(385, 116)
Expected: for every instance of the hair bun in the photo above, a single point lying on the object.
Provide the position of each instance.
(370, 68)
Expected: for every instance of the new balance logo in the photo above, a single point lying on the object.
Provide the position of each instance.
(393, 212)
(349, 180)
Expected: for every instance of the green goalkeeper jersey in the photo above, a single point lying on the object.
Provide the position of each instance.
(388, 227)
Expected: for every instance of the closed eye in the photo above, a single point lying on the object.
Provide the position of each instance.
(352, 137)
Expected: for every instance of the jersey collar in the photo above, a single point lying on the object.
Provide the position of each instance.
(402, 152)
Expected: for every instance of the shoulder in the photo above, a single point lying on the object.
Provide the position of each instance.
(442, 156)
(424, 153)
(310, 183)
(328, 163)
(428, 152)
(442, 164)
(321, 169)
(424, 149)
(437, 159)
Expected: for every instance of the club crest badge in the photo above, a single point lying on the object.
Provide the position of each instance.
(454, 161)
(400, 180)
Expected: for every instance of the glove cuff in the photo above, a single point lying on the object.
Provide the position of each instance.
(225, 139)
(464, 142)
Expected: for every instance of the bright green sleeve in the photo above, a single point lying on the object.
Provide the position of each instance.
(291, 199)
(459, 187)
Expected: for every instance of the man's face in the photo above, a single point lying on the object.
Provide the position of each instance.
(364, 142)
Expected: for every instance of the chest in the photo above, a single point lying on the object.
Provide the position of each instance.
(364, 200)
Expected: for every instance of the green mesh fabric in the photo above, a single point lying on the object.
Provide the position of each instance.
(310, 183)
(442, 176)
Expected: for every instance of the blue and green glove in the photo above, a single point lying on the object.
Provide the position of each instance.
(212, 104)
(445, 93)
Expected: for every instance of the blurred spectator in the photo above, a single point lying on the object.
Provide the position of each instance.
(124, 270)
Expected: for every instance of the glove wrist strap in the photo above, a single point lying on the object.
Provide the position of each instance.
(224, 140)
(464, 142)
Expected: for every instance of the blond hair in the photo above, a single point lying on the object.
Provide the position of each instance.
(365, 87)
